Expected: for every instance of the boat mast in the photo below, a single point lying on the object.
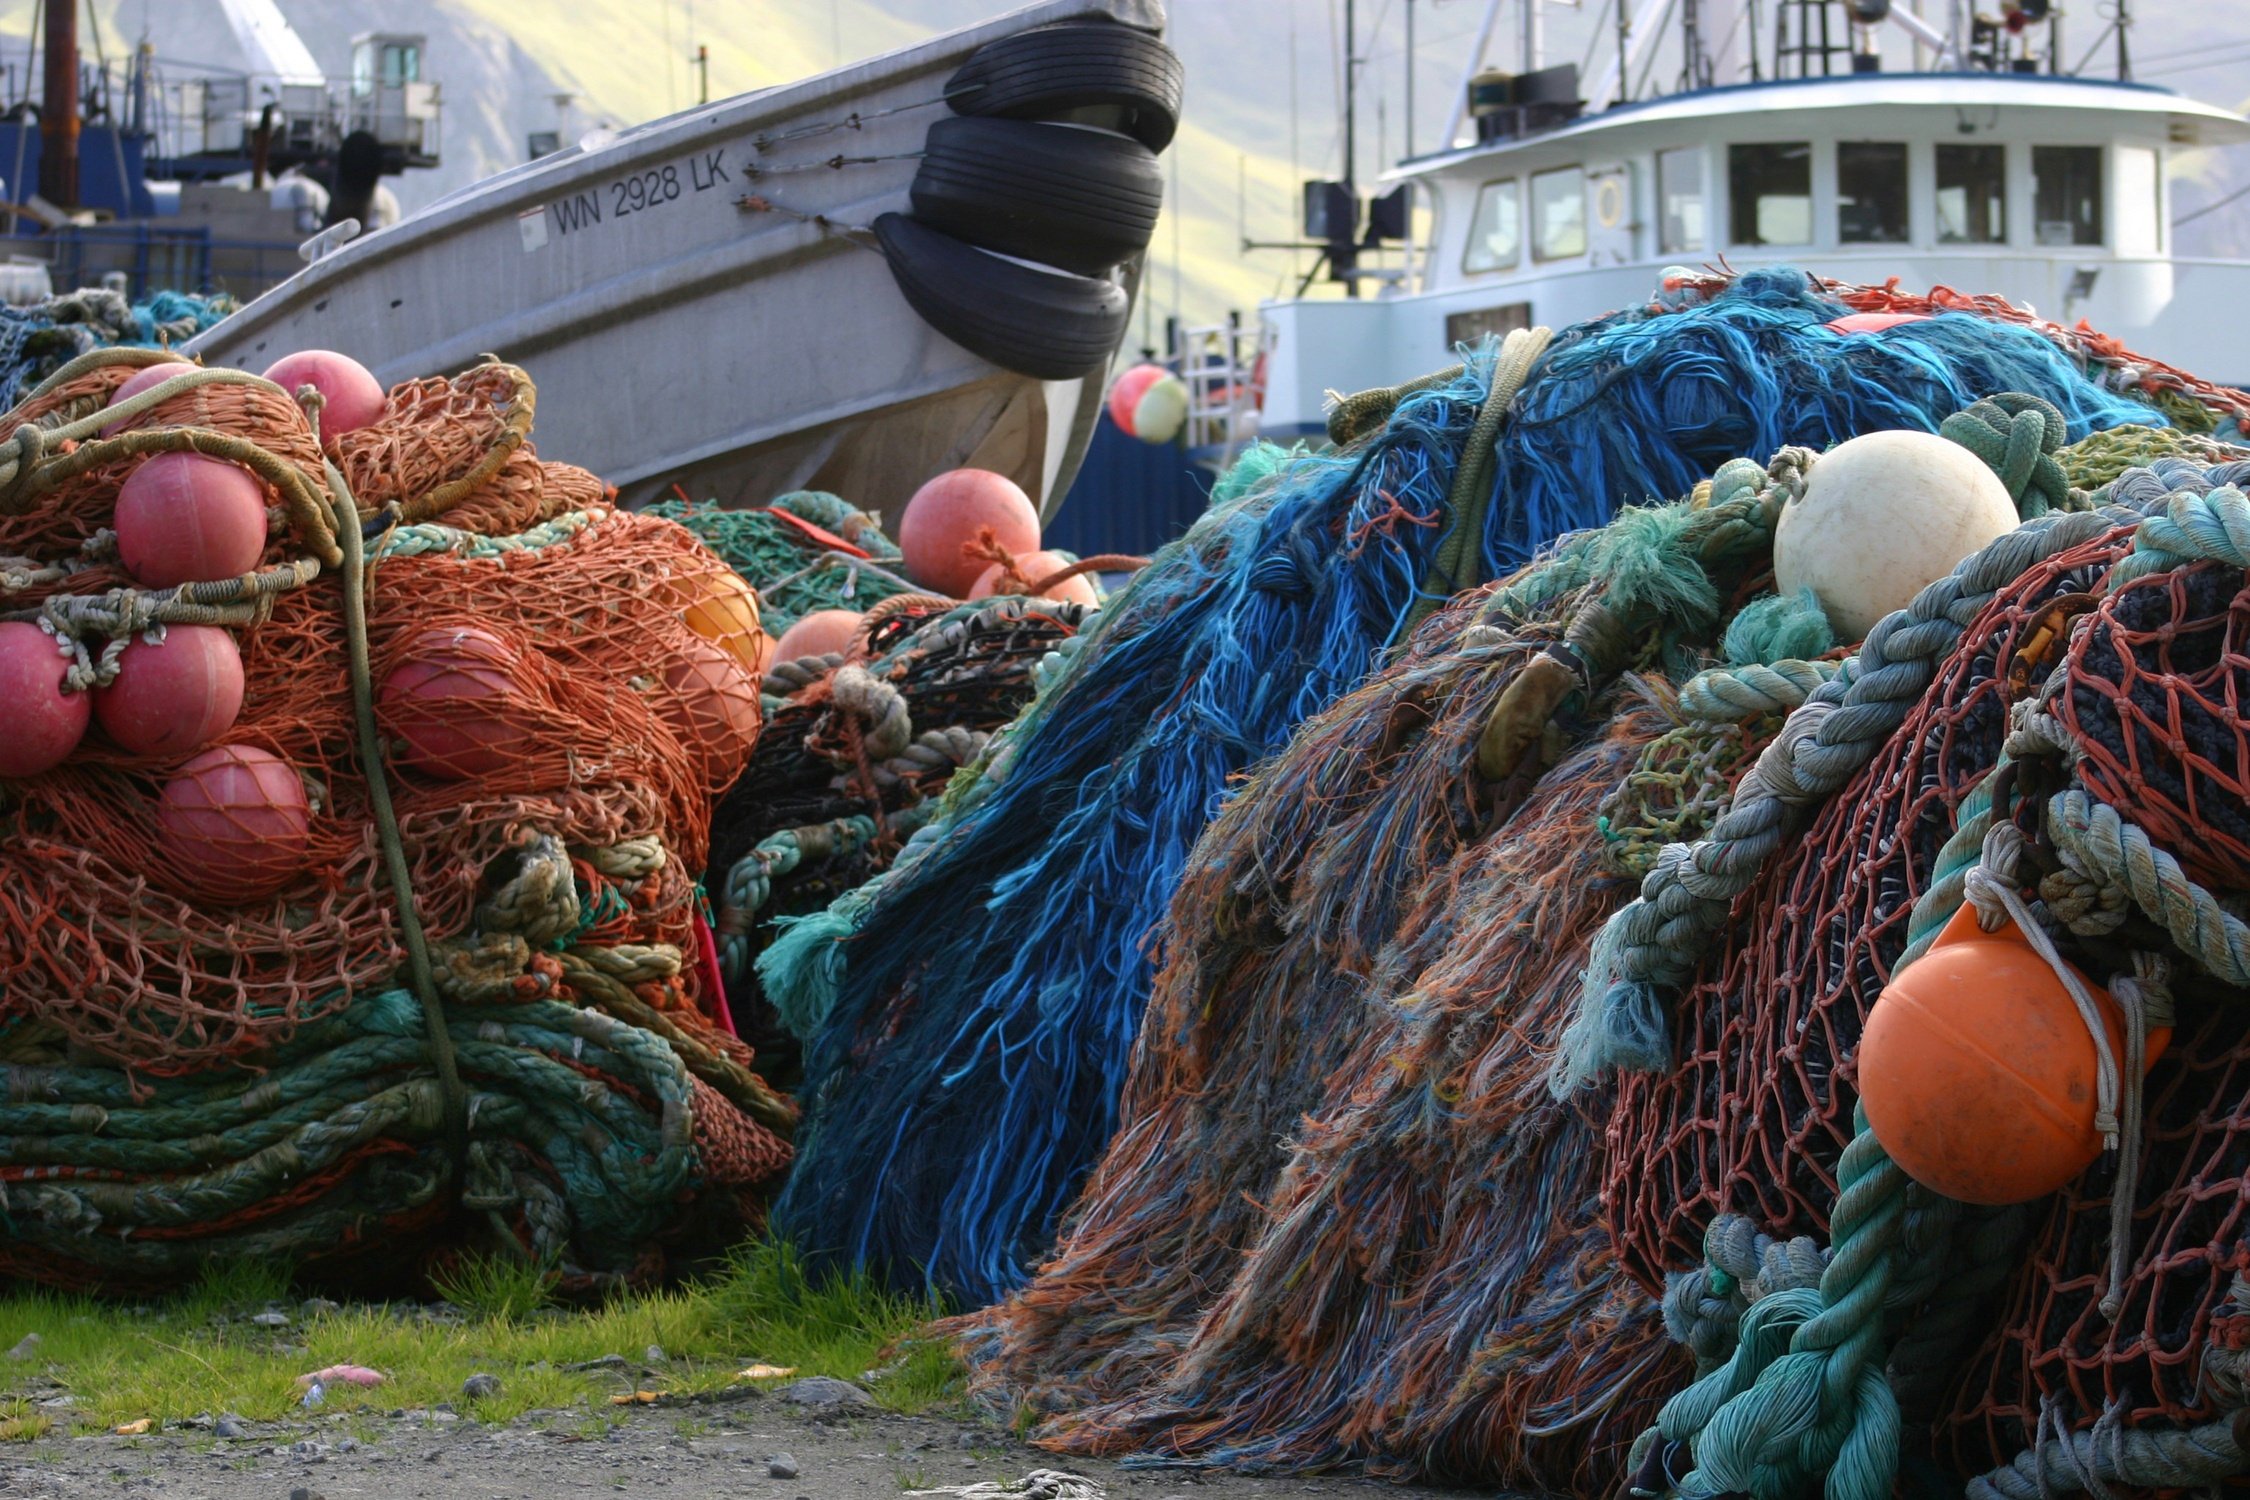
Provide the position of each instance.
(58, 110)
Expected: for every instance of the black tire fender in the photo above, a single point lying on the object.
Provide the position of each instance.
(1054, 70)
(1050, 325)
(1064, 195)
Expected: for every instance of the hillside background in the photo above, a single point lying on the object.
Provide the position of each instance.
(1263, 84)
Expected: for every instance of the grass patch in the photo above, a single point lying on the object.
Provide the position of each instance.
(198, 1354)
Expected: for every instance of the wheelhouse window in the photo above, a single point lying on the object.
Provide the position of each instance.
(2140, 202)
(1558, 214)
(1496, 233)
(1769, 193)
(1679, 189)
(1972, 194)
(1871, 192)
(2066, 194)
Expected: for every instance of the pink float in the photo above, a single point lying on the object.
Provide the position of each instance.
(170, 697)
(44, 723)
(817, 634)
(351, 396)
(1872, 322)
(1033, 566)
(1126, 393)
(139, 381)
(451, 701)
(949, 513)
(237, 822)
(184, 518)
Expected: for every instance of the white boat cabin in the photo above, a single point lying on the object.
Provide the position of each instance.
(2049, 190)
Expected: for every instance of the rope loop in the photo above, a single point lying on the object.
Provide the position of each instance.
(2018, 437)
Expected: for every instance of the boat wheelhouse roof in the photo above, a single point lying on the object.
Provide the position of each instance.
(2189, 122)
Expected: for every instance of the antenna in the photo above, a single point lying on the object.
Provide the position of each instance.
(1409, 79)
(2124, 53)
(1351, 100)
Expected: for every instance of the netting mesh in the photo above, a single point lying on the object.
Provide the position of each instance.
(552, 792)
(1753, 1118)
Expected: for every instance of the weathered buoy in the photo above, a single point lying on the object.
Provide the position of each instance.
(44, 723)
(448, 701)
(1882, 517)
(351, 396)
(1872, 322)
(817, 634)
(169, 368)
(1149, 402)
(712, 704)
(172, 695)
(184, 518)
(1978, 1073)
(723, 610)
(949, 513)
(1032, 567)
(237, 822)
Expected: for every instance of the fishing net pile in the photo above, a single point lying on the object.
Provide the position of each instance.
(807, 551)
(422, 967)
(1355, 1212)
(857, 750)
(37, 340)
(972, 1014)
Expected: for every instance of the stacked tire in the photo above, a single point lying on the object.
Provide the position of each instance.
(1042, 182)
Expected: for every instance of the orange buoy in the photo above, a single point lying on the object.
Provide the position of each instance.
(950, 513)
(172, 695)
(449, 702)
(184, 518)
(724, 611)
(1977, 1072)
(171, 367)
(712, 704)
(1033, 566)
(817, 634)
(44, 723)
(237, 821)
(351, 396)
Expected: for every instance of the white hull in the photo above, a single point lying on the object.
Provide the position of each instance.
(676, 336)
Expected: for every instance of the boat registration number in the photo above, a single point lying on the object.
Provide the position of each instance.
(642, 191)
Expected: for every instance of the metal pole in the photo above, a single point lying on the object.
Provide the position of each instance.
(2124, 54)
(1410, 79)
(703, 69)
(1460, 112)
(1351, 99)
(58, 114)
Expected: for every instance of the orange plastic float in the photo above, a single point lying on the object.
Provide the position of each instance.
(724, 611)
(351, 396)
(713, 705)
(184, 518)
(1031, 567)
(950, 513)
(817, 634)
(1977, 1072)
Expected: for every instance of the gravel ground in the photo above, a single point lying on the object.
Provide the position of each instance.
(738, 1450)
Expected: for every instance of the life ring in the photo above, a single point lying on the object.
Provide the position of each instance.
(1609, 200)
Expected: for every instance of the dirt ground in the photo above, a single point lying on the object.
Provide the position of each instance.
(728, 1450)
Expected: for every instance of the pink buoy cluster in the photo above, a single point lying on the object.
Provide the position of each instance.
(184, 518)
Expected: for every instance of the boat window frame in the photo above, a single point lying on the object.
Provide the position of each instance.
(1537, 237)
(2118, 209)
(1904, 188)
(1938, 152)
(1811, 197)
(2100, 222)
(1687, 244)
(1476, 220)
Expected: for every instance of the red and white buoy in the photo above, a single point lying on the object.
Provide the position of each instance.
(1149, 402)
(949, 514)
(44, 723)
(184, 518)
(172, 695)
(351, 396)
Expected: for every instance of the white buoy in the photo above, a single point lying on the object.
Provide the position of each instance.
(1882, 517)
